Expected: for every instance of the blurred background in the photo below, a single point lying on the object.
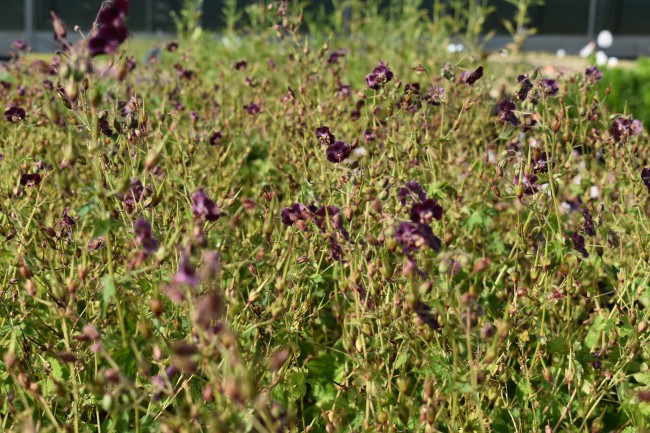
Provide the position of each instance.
(561, 24)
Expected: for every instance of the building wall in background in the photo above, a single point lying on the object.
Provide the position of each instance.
(556, 17)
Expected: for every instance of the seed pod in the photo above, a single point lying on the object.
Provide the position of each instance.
(449, 237)
(122, 69)
(107, 402)
(96, 99)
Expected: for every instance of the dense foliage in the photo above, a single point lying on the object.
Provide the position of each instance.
(352, 232)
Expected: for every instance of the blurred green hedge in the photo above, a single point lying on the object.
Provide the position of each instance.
(630, 90)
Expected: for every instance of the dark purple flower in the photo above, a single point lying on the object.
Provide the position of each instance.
(290, 96)
(549, 86)
(172, 46)
(111, 28)
(540, 162)
(204, 206)
(337, 252)
(593, 74)
(135, 193)
(184, 74)
(588, 225)
(144, 236)
(105, 127)
(240, 65)
(472, 77)
(19, 45)
(371, 80)
(426, 211)
(334, 57)
(324, 135)
(411, 187)
(338, 151)
(412, 237)
(528, 182)
(379, 76)
(14, 114)
(330, 216)
(296, 212)
(368, 135)
(412, 88)
(343, 91)
(5, 84)
(506, 110)
(186, 273)
(363, 296)
(30, 179)
(645, 177)
(252, 108)
(215, 138)
(66, 220)
(579, 244)
(624, 127)
(425, 314)
(435, 95)
(523, 87)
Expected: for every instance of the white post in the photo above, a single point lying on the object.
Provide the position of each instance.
(591, 29)
(148, 16)
(28, 21)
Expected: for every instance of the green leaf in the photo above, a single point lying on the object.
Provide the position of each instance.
(57, 371)
(85, 210)
(108, 288)
(401, 360)
(478, 218)
(297, 385)
(559, 345)
(102, 227)
(322, 367)
(643, 377)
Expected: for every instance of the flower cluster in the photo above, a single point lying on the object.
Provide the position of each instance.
(593, 74)
(588, 224)
(328, 219)
(14, 114)
(579, 244)
(379, 76)
(338, 152)
(624, 127)
(144, 236)
(645, 177)
(324, 135)
(507, 112)
(111, 28)
(204, 207)
(417, 233)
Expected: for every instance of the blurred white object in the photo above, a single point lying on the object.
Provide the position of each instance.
(605, 39)
(594, 192)
(451, 48)
(561, 53)
(358, 153)
(588, 49)
(601, 58)
(612, 61)
(460, 48)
